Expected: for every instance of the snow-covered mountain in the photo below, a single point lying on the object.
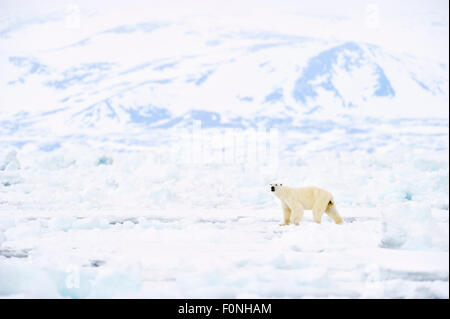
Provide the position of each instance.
(104, 194)
(161, 74)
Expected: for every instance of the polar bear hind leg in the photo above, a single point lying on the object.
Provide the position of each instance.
(333, 213)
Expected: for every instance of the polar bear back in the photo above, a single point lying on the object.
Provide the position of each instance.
(307, 196)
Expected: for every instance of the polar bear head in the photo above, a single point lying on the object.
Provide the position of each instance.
(275, 187)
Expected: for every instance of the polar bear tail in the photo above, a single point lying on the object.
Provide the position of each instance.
(333, 213)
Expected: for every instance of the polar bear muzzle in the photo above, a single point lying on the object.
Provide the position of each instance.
(273, 187)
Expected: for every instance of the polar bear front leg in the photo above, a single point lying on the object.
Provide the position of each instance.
(297, 214)
(317, 213)
(286, 214)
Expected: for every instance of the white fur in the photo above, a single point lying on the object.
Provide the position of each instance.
(295, 200)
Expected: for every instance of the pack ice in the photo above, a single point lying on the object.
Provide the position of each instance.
(130, 151)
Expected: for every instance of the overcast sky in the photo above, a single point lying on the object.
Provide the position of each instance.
(418, 26)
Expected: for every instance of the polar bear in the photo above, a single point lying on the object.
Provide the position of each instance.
(296, 199)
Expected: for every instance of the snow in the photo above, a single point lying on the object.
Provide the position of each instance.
(146, 225)
(137, 148)
(422, 232)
